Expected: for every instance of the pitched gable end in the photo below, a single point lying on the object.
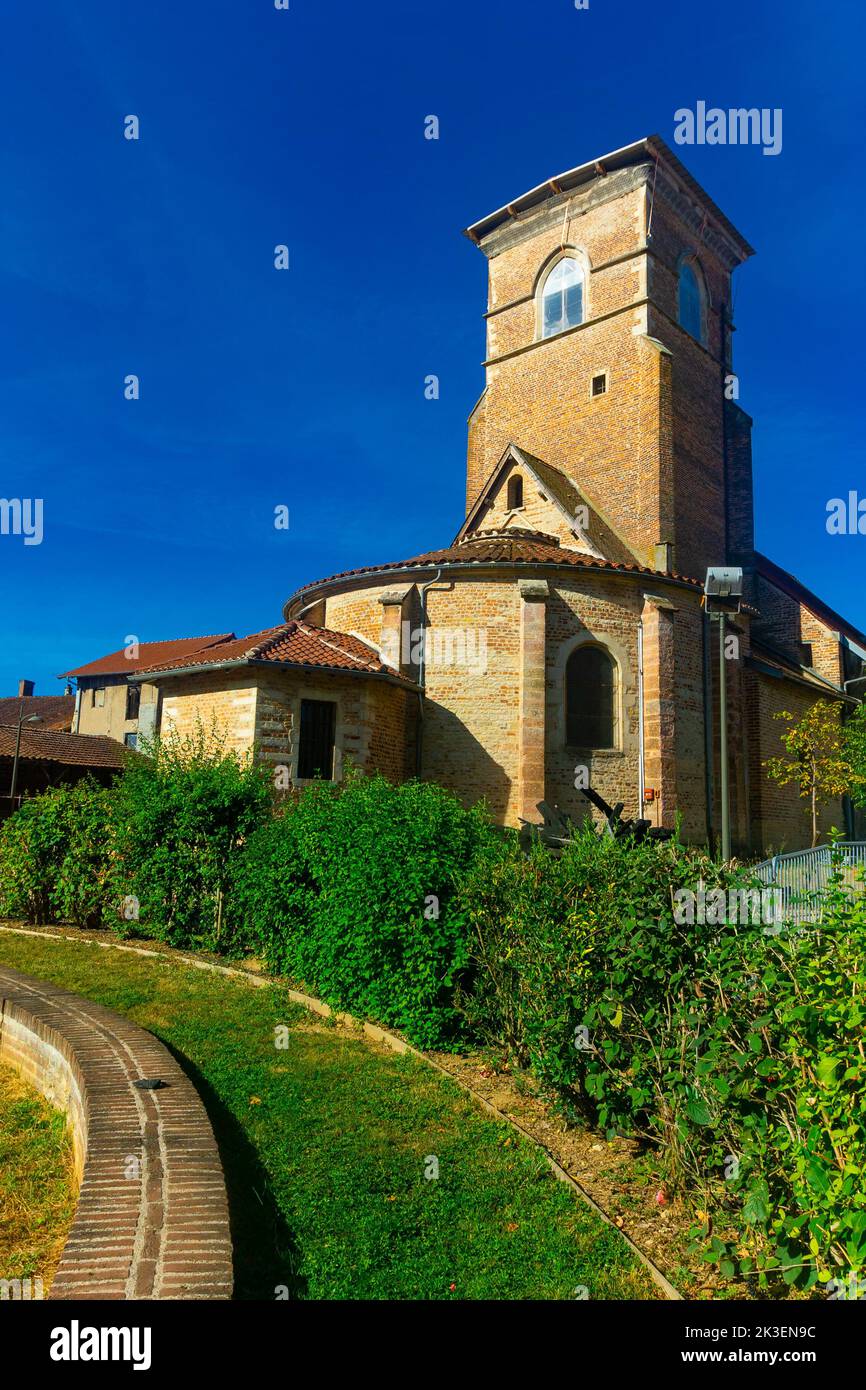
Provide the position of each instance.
(525, 493)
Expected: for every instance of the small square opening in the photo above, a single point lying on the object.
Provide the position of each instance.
(599, 384)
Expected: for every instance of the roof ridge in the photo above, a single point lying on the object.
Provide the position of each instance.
(275, 635)
(335, 646)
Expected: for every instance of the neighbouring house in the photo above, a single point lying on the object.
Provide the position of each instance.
(564, 632)
(311, 700)
(51, 757)
(107, 703)
(54, 711)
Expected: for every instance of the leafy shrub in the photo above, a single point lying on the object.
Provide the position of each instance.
(55, 857)
(179, 817)
(735, 1048)
(352, 890)
(790, 1089)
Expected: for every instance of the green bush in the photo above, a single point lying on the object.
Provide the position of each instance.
(734, 1047)
(180, 815)
(55, 857)
(573, 942)
(787, 1084)
(352, 891)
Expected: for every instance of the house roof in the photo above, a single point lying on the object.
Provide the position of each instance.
(149, 653)
(771, 662)
(790, 585)
(53, 746)
(293, 643)
(485, 549)
(650, 147)
(55, 711)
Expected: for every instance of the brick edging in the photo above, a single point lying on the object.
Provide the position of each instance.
(152, 1220)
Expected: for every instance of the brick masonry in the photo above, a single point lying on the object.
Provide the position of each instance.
(660, 463)
(152, 1220)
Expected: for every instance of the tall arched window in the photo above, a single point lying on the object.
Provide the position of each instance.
(562, 297)
(515, 492)
(691, 300)
(590, 699)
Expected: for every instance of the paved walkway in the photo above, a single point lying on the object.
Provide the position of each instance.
(152, 1218)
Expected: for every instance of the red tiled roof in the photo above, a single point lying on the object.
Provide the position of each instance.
(289, 644)
(55, 711)
(149, 653)
(511, 547)
(50, 745)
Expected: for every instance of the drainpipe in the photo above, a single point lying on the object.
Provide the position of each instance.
(641, 763)
(422, 665)
(306, 608)
(708, 730)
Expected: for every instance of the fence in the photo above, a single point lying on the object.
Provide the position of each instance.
(802, 876)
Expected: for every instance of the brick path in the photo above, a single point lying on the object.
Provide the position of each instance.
(152, 1218)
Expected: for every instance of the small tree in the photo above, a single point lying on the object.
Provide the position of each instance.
(179, 816)
(854, 737)
(817, 764)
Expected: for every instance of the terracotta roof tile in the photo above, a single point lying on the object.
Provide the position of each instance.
(55, 711)
(50, 745)
(288, 644)
(149, 653)
(511, 547)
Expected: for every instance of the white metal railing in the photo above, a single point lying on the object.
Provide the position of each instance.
(802, 876)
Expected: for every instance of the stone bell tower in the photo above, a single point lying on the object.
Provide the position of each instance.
(608, 354)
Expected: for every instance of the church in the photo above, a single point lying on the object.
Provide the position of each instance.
(564, 635)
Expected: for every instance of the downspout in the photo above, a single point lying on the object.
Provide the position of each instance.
(306, 608)
(708, 729)
(422, 667)
(727, 365)
(641, 757)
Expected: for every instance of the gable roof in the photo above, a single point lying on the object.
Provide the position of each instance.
(55, 711)
(53, 746)
(565, 496)
(118, 663)
(790, 585)
(769, 661)
(294, 643)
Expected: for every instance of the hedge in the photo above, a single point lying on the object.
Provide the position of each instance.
(734, 1049)
(353, 891)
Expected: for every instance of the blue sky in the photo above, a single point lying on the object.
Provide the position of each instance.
(305, 388)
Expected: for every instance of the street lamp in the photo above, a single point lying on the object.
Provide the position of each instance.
(22, 719)
(723, 582)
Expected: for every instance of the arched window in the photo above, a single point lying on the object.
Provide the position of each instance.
(590, 699)
(691, 300)
(515, 492)
(562, 297)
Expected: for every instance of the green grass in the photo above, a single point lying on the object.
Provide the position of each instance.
(37, 1200)
(325, 1144)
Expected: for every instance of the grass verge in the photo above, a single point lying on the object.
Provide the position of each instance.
(327, 1143)
(37, 1188)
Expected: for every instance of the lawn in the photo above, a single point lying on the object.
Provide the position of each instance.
(328, 1145)
(37, 1200)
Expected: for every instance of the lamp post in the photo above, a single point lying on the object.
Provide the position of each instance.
(22, 719)
(723, 583)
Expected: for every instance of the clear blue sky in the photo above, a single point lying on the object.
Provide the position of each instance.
(305, 388)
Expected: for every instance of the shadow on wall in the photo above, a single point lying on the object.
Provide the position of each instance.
(453, 757)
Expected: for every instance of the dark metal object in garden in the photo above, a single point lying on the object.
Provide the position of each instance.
(558, 828)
